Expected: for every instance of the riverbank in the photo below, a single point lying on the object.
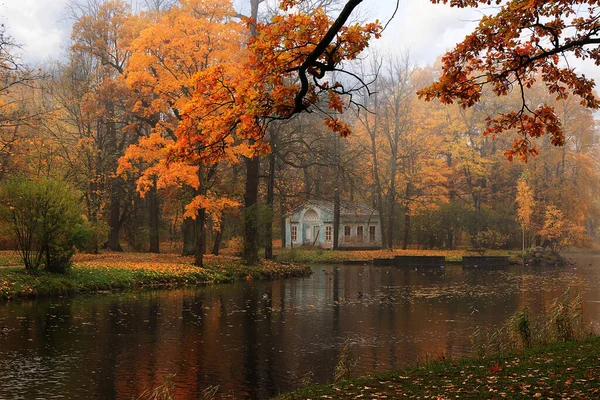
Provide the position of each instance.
(560, 370)
(320, 256)
(127, 271)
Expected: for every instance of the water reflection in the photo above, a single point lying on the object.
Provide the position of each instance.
(257, 339)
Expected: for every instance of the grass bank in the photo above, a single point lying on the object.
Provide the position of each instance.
(319, 256)
(126, 271)
(560, 370)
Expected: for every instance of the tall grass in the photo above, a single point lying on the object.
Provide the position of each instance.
(161, 392)
(346, 364)
(564, 322)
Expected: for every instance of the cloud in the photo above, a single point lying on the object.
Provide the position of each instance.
(38, 26)
(426, 30)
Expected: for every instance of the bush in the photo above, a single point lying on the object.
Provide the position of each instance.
(235, 246)
(491, 239)
(539, 256)
(44, 217)
(97, 237)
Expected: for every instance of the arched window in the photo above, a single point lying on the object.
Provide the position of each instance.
(311, 215)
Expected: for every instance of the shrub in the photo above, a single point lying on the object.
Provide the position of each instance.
(44, 217)
(97, 237)
(235, 246)
(520, 327)
(491, 239)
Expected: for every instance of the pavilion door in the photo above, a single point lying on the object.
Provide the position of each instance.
(316, 231)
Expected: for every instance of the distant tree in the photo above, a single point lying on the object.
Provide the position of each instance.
(560, 232)
(525, 203)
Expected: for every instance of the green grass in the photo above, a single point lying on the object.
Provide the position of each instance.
(15, 282)
(560, 370)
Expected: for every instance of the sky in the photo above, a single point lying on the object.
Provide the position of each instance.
(423, 29)
(426, 30)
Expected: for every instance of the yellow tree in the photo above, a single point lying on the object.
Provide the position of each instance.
(560, 232)
(525, 204)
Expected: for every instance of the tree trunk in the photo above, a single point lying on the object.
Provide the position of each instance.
(114, 219)
(336, 219)
(251, 212)
(217, 243)
(270, 195)
(477, 220)
(392, 200)
(154, 218)
(282, 223)
(380, 206)
(189, 237)
(252, 181)
(114, 216)
(392, 211)
(407, 196)
(406, 229)
(200, 238)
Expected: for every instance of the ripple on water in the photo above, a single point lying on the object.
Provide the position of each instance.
(257, 339)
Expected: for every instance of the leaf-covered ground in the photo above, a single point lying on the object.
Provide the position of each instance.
(122, 271)
(558, 371)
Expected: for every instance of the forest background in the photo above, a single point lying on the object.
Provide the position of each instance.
(110, 121)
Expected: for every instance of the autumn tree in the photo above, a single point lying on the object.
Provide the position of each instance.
(525, 205)
(558, 231)
(291, 57)
(515, 45)
(101, 36)
(17, 87)
(166, 57)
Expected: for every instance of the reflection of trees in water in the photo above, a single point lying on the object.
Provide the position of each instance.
(256, 339)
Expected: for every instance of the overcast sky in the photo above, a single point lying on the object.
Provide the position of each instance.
(424, 29)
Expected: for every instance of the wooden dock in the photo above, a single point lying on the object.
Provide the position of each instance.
(485, 261)
(411, 261)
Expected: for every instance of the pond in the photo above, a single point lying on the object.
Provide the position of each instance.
(257, 339)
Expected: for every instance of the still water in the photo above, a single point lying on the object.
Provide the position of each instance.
(257, 339)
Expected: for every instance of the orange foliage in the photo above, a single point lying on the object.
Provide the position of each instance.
(523, 42)
(216, 88)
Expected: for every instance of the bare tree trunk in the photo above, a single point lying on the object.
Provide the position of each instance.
(154, 218)
(406, 229)
(217, 243)
(114, 216)
(270, 195)
(336, 219)
(251, 211)
(282, 223)
(380, 205)
(189, 237)
(200, 242)
(250, 255)
(392, 196)
(477, 219)
(200, 238)
(406, 216)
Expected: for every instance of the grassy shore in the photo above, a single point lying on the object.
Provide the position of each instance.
(560, 370)
(125, 271)
(319, 256)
